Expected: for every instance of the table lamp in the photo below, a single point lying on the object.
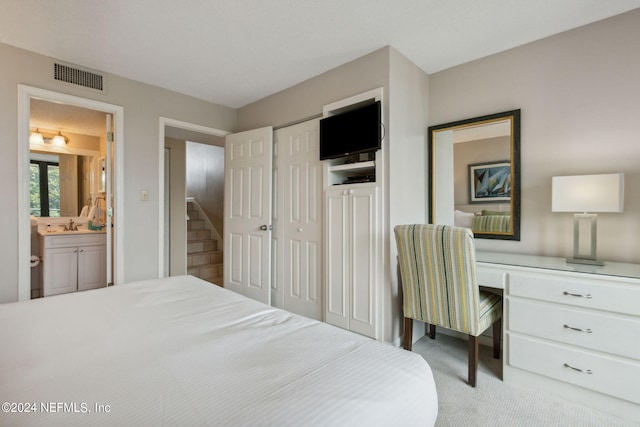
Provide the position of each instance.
(584, 195)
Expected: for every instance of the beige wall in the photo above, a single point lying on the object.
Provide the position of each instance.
(407, 186)
(579, 94)
(143, 105)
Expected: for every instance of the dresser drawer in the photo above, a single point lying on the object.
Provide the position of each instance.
(491, 276)
(612, 334)
(577, 291)
(608, 375)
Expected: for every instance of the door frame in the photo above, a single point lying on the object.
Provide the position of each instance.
(25, 93)
(163, 123)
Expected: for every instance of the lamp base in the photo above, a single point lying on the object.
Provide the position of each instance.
(585, 261)
(580, 257)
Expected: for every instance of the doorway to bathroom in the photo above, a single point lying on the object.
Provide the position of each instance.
(78, 141)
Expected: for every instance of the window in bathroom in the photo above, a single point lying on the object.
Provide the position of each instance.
(44, 188)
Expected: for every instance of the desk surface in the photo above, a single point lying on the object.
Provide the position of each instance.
(553, 263)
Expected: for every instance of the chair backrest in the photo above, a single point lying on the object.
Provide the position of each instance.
(438, 272)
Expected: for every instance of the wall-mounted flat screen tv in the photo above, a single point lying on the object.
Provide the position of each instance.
(352, 132)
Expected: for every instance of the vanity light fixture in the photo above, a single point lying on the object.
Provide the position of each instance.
(36, 138)
(582, 194)
(59, 140)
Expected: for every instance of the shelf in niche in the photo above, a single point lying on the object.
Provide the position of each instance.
(354, 167)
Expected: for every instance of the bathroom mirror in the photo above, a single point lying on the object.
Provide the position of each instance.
(68, 172)
(474, 178)
(61, 183)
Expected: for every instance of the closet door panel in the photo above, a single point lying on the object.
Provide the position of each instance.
(299, 222)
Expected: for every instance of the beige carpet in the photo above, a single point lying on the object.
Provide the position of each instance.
(492, 402)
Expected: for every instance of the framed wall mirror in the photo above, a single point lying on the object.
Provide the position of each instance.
(474, 178)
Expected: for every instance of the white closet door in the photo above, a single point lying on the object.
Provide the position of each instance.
(298, 220)
(247, 213)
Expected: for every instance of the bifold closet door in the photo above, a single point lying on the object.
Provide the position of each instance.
(298, 220)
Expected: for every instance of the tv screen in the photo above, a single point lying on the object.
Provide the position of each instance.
(352, 132)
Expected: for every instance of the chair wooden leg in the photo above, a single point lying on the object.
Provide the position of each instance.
(497, 335)
(408, 333)
(473, 360)
(432, 331)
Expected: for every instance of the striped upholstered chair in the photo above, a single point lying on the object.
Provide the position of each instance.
(438, 272)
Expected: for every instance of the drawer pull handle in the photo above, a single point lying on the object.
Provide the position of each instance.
(585, 371)
(577, 295)
(573, 328)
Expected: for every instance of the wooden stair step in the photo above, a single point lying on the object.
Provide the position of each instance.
(201, 246)
(207, 271)
(195, 224)
(193, 235)
(202, 258)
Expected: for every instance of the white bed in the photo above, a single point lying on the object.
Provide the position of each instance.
(180, 351)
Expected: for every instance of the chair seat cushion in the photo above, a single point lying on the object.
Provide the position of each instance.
(490, 310)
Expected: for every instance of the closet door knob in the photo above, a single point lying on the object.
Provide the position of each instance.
(299, 229)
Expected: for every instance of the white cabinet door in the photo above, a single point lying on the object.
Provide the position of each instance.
(337, 261)
(364, 260)
(60, 271)
(247, 216)
(298, 217)
(92, 267)
(352, 252)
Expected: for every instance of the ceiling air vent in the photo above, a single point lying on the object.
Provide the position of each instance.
(76, 76)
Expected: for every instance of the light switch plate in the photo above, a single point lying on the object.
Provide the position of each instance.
(144, 195)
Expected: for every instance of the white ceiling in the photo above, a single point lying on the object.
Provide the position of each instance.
(234, 52)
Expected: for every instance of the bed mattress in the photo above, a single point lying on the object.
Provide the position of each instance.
(180, 351)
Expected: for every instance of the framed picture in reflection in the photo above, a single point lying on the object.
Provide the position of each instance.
(490, 182)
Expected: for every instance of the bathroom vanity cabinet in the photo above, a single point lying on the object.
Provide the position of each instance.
(74, 261)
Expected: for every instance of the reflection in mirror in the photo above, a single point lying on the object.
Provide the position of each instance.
(60, 184)
(64, 173)
(475, 175)
(63, 179)
(44, 185)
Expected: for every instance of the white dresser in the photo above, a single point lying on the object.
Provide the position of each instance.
(570, 329)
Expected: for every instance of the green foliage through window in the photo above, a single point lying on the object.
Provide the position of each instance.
(45, 188)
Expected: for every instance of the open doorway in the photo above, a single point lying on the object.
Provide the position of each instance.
(41, 111)
(176, 252)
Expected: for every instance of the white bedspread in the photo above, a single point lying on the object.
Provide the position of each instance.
(183, 352)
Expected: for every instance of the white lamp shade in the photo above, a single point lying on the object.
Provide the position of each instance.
(36, 139)
(58, 141)
(588, 193)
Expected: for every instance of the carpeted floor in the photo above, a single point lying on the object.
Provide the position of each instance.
(494, 403)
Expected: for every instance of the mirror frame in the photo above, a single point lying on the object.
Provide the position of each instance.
(514, 116)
